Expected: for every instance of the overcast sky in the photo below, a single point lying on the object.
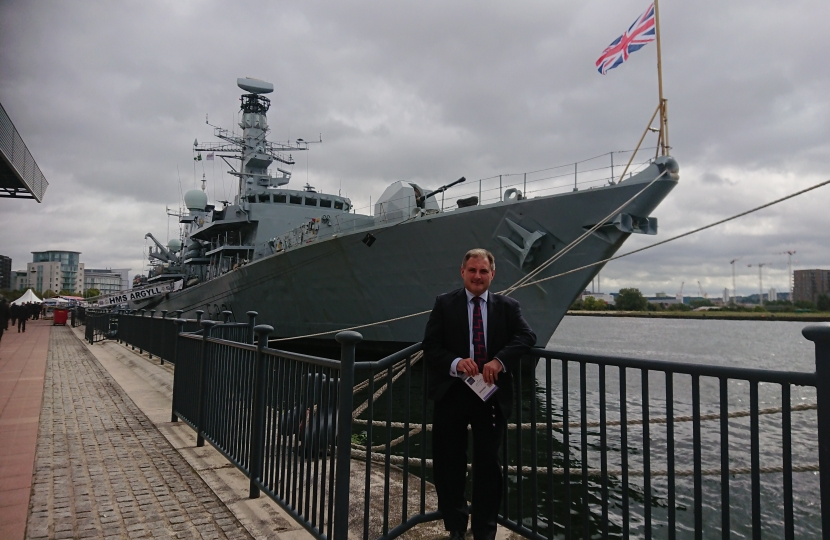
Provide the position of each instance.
(109, 96)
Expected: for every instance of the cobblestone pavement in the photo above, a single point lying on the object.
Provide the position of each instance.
(102, 470)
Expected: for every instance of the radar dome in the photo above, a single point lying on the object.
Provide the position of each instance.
(174, 245)
(254, 86)
(195, 200)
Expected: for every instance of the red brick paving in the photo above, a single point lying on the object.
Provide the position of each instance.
(22, 368)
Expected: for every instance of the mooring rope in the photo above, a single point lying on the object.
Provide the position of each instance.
(537, 281)
(561, 253)
(577, 471)
(577, 425)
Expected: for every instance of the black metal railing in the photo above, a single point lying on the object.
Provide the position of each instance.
(98, 326)
(597, 446)
(274, 415)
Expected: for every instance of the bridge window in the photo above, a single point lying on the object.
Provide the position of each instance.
(279, 197)
(265, 198)
(338, 205)
(325, 203)
(310, 201)
(295, 199)
(251, 198)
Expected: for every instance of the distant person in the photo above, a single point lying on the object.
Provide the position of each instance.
(472, 331)
(34, 309)
(4, 316)
(22, 315)
(14, 309)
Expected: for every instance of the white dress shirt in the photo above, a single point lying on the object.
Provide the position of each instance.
(470, 306)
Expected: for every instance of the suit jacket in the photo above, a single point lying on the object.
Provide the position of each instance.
(447, 337)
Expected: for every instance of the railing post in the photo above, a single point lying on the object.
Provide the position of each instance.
(179, 328)
(163, 313)
(348, 341)
(199, 313)
(820, 335)
(152, 313)
(257, 442)
(178, 314)
(206, 326)
(227, 314)
(151, 336)
(251, 324)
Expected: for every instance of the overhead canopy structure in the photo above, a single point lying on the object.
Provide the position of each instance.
(20, 177)
(28, 296)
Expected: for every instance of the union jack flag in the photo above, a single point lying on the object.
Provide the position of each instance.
(634, 39)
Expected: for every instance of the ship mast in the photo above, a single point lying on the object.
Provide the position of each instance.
(252, 148)
(663, 136)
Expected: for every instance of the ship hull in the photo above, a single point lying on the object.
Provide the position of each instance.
(339, 282)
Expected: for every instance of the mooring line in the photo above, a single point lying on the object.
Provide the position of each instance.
(577, 425)
(562, 252)
(534, 282)
(575, 471)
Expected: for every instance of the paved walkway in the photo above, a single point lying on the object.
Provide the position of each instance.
(102, 468)
(22, 365)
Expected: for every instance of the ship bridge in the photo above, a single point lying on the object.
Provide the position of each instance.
(20, 177)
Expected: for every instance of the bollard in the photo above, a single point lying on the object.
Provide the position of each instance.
(257, 441)
(141, 312)
(152, 313)
(206, 326)
(199, 313)
(251, 324)
(179, 328)
(178, 314)
(820, 335)
(348, 341)
(163, 313)
(150, 337)
(227, 314)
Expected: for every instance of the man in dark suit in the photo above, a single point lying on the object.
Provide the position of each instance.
(472, 331)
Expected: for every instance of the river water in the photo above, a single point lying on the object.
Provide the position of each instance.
(751, 344)
(754, 344)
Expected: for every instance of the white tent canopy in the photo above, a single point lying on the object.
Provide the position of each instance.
(28, 296)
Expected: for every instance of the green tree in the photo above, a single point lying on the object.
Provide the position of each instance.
(631, 300)
(89, 293)
(592, 304)
(66, 292)
(804, 304)
(823, 302)
(700, 302)
(48, 294)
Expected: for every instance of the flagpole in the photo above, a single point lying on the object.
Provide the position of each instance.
(662, 105)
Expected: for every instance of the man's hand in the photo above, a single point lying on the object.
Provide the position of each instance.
(491, 371)
(467, 366)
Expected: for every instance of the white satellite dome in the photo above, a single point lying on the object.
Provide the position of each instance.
(174, 245)
(195, 200)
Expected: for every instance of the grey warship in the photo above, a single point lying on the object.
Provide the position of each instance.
(310, 265)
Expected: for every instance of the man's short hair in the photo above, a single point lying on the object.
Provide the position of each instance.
(479, 253)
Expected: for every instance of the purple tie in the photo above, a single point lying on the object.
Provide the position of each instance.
(479, 345)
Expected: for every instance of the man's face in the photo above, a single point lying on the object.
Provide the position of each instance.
(477, 275)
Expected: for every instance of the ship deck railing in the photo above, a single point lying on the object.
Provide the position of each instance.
(597, 446)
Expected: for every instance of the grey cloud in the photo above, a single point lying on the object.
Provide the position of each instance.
(109, 97)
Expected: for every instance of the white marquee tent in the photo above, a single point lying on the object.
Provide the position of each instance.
(28, 296)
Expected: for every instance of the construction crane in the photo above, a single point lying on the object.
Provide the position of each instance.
(760, 280)
(734, 288)
(703, 294)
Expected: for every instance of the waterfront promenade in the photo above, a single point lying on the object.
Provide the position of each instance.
(88, 451)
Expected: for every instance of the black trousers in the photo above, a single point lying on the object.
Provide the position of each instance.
(459, 408)
(21, 323)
